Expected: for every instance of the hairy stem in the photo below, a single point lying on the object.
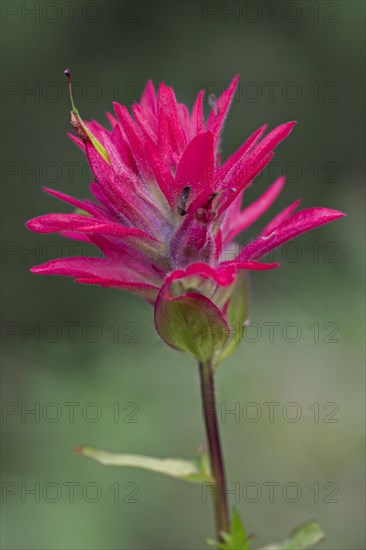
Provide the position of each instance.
(222, 518)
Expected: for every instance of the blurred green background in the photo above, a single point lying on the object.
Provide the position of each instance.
(97, 347)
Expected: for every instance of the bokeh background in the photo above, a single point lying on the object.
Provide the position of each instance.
(93, 351)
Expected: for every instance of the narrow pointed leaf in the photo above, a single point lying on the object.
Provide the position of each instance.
(237, 539)
(304, 536)
(188, 470)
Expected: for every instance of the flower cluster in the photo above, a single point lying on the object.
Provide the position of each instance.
(167, 209)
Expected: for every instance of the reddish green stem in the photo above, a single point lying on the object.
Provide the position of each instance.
(222, 517)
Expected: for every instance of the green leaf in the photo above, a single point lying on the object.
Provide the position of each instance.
(191, 323)
(188, 470)
(304, 536)
(237, 539)
(237, 315)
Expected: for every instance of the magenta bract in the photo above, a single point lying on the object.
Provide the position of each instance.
(166, 209)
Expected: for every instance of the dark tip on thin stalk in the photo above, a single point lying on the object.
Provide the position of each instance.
(67, 73)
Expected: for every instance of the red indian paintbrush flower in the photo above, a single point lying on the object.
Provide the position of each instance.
(167, 209)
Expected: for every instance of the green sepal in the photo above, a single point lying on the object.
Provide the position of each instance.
(237, 315)
(191, 323)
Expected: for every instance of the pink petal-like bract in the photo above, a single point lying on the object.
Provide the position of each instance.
(165, 209)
